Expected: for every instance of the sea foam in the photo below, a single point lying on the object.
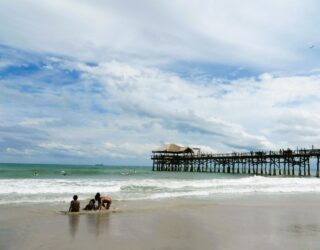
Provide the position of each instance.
(61, 190)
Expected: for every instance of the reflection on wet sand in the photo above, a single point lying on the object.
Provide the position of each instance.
(73, 224)
(94, 223)
(305, 228)
(97, 223)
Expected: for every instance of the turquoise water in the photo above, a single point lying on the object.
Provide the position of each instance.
(48, 171)
(58, 183)
(51, 171)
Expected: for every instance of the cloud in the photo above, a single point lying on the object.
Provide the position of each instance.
(104, 81)
(219, 32)
(115, 111)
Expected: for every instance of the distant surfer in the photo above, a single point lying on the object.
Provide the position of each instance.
(128, 172)
(35, 173)
(64, 173)
(74, 204)
(103, 201)
(125, 173)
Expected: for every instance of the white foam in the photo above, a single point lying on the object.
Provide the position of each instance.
(61, 190)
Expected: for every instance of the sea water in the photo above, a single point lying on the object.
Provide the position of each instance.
(40, 183)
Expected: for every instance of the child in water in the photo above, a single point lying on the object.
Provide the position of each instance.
(74, 204)
(103, 201)
(91, 205)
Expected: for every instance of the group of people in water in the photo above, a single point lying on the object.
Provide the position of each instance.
(104, 202)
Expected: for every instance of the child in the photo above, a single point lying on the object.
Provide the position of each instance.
(74, 204)
(103, 201)
(91, 205)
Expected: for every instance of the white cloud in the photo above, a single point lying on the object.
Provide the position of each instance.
(138, 108)
(131, 99)
(37, 121)
(16, 152)
(129, 148)
(227, 32)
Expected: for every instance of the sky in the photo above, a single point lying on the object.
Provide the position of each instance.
(86, 82)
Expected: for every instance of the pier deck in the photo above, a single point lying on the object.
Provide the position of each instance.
(283, 162)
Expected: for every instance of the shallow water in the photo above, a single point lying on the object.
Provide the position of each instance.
(21, 183)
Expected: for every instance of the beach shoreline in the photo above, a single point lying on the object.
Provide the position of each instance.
(281, 222)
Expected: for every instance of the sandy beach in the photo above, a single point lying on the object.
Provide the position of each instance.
(283, 222)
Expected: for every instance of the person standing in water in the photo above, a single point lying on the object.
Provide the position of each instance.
(74, 204)
(103, 201)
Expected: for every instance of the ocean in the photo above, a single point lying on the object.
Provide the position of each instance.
(43, 183)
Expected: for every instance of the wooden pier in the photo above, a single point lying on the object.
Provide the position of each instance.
(283, 162)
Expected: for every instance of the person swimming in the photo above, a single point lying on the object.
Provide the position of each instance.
(103, 201)
(64, 173)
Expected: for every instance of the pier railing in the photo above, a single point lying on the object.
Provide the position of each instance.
(284, 162)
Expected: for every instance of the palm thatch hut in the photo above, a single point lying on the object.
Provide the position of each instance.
(173, 149)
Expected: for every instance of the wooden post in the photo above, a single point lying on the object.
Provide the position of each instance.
(300, 162)
(293, 165)
(238, 163)
(242, 166)
(318, 166)
(270, 167)
(233, 165)
(284, 166)
(254, 166)
(279, 165)
(304, 166)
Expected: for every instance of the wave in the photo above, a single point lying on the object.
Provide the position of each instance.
(61, 190)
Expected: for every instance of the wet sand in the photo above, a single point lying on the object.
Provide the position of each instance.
(250, 223)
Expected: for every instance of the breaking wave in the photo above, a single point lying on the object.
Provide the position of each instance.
(61, 190)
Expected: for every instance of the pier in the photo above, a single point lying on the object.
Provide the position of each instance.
(285, 162)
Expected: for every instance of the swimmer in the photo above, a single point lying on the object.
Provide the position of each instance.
(63, 173)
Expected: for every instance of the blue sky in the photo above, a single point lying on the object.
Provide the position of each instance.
(106, 82)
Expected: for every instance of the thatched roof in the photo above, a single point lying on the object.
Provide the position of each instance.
(173, 148)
